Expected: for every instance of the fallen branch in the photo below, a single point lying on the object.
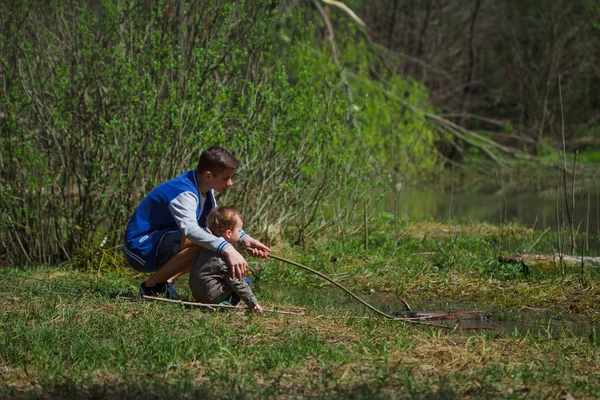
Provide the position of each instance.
(550, 262)
(214, 307)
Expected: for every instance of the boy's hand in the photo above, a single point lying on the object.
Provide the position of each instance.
(257, 309)
(236, 261)
(256, 248)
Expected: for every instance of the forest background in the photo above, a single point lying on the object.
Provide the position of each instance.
(327, 105)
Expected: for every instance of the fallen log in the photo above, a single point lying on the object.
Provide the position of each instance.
(547, 263)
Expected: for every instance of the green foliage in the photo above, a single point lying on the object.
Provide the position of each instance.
(102, 104)
(387, 108)
(100, 110)
(590, 157)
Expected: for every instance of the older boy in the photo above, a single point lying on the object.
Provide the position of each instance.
(168, 227)
(209, 277)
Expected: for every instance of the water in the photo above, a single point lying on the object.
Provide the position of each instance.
(531, 210)
(513, 322)
(516, 322)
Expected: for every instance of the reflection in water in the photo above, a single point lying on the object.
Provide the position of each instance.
(512, 322)
(517, 322)
(530, 210)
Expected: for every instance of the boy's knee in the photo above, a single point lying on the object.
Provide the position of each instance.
(190, 252)
(187, 243)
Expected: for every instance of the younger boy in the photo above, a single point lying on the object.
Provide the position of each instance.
(168, 227)
(210, 280)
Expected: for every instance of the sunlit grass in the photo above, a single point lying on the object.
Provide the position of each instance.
(69, 333)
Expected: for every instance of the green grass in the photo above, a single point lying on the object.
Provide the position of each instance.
(69, 333)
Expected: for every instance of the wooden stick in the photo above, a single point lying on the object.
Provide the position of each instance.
(333, 282)
(414, 321)
(213, 307)
(406, 320)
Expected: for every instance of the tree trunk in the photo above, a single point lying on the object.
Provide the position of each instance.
(472, 64)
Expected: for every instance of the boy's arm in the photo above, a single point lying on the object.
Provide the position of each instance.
(183, 209)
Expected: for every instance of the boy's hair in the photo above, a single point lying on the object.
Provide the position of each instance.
(215, 159)
(222, 218)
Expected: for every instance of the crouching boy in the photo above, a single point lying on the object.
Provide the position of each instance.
(210, 276)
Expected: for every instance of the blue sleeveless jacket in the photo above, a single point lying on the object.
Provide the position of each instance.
(152, 219)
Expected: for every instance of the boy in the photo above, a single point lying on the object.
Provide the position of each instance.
(168, 227)
(209, 278)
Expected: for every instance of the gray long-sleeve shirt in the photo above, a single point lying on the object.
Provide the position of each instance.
(211, 281)
(183, 209)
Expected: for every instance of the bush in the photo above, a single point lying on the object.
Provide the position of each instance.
(101, 103)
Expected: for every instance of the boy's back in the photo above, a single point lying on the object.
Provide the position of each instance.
(211, 281)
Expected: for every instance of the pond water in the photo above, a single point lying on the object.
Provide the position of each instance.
(513, 322)
(530, 210)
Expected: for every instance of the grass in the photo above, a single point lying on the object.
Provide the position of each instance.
(72, 333)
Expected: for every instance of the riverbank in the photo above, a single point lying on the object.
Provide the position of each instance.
(81, 333)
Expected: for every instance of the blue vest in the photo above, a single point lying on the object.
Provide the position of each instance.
(152, 219)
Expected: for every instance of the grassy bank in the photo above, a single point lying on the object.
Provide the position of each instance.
(72, 333)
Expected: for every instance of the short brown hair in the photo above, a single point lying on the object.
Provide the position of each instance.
(222, 218)
(215, 159)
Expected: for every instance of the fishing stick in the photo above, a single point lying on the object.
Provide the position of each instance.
(407, 320)
(335, 283)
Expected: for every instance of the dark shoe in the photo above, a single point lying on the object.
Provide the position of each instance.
(165, 289)
(153, 291)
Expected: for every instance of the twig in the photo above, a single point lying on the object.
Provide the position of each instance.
(406, 305)
(587, 226)
(536, 242)
(213, 307)
(573, 204)
(395, 248)
(347, 10)
(558, 213)
(569, 216)
(366, 228)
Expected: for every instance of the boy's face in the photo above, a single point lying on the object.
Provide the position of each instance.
(220, 181)
(233, 235)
